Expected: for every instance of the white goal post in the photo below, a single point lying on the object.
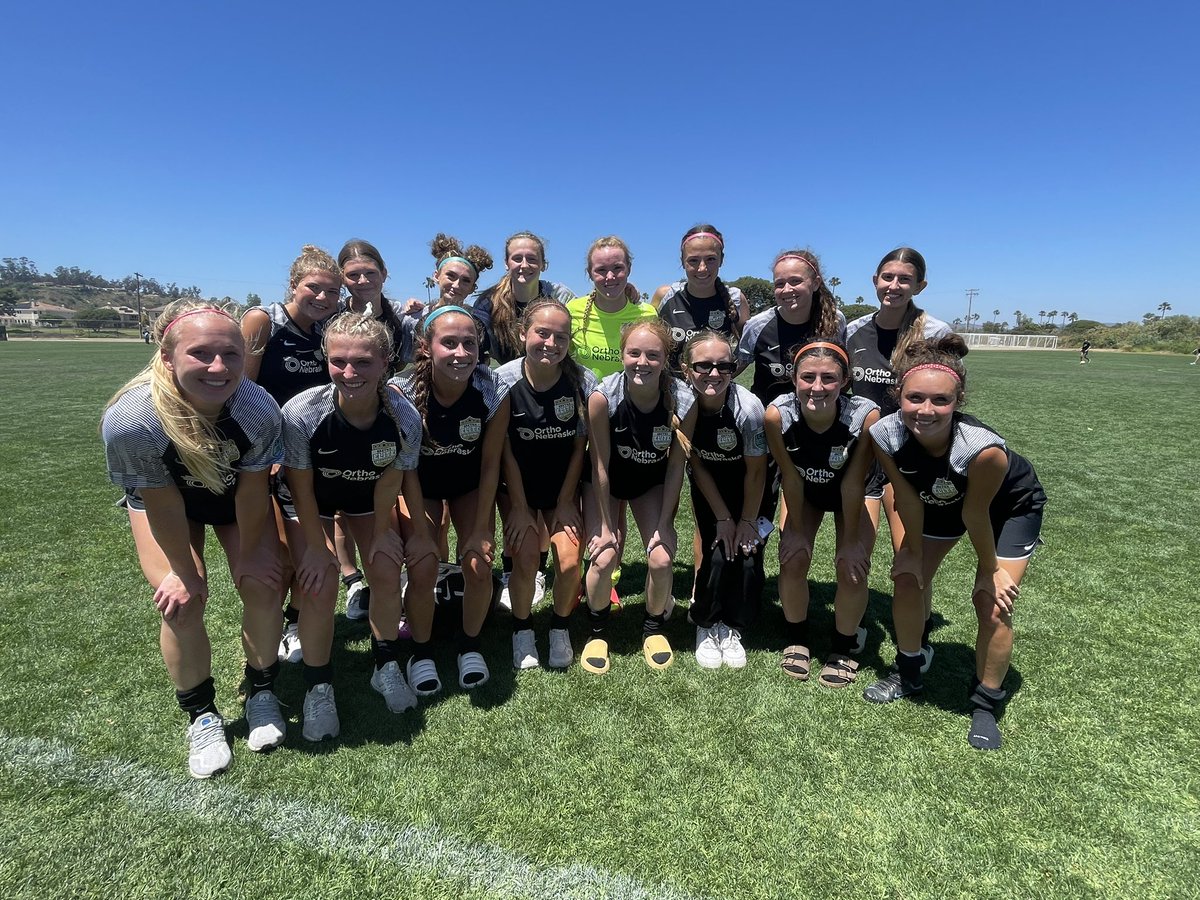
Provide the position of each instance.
(1012, 341)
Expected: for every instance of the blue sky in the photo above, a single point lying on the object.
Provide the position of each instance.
(1048, 155)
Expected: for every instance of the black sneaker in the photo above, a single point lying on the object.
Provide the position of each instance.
(892, 687)
(358, 601)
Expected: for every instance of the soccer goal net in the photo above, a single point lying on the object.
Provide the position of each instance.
(1012, 341)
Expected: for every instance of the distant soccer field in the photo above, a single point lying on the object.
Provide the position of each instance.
(683, 783)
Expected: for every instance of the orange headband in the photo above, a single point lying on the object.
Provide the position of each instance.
(196, 312)
(937, 367)
(807, 262)
(827, 345)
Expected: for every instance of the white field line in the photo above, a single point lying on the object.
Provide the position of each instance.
(494, 870)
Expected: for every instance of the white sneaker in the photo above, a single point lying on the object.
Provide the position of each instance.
(539, 588)
(265, 722)
(505, 600)
(320, 714)
(561, 653)
(358, 601)
(290, 650)
(708, 648)
(208, 752)
(525, 655)
(733, 654)
(395, 690)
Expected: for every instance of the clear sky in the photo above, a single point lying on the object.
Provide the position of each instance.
(1047, 154)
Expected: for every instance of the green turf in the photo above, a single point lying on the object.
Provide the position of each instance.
(680, 783)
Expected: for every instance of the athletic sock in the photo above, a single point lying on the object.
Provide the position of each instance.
(796, 632)
(653, 625)
(842, 643)
(598, 618)
(420, 650)
(506, 564)
(543, 560)
(525, 624)
(987, 703)
(261, 679)
(925, 632)
(383, 651)
(467, 643)
(314, 675)
(909, 665)
(557, 621)
(349, 580)
(291, 615)
(199, 700)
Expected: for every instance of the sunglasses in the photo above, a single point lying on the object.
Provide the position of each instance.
(704, 367)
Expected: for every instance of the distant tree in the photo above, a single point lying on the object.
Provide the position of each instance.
(759, 293)
(854, 311)
(9, 298)
(833, 286)
(859, 300)
(253, 299)
(1004, 326)
(190, 293)
(430, 284)
(1147, 318)
(1164, 308)
(995, 315)
(1074, 317)
(97, 317)
(20, 268)
(1041, 316)
(957, 323)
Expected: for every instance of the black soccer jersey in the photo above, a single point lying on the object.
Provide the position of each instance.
(821, 458)
(140, 455)
(941, 481)
(542, 429)
(870, 348)
(768, 342)
(452, 445)
(347, 461)
(640, 443)
(723, 439)
(493, 345)
(686, 316)
(292, 361)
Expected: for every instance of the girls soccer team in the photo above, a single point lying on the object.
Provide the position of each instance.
(602, 403)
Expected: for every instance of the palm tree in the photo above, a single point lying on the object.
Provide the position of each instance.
(1074, 317)
(996, 313)
(1041, 315)
(957, 323)
(430, 284)
(1051, 314)
(1164, 308)
(1064, 315)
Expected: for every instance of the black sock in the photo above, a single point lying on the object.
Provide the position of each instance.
(557, 621)
(525, 624)
(987, 706)
(598, 618)
(909, 666)
(543, 559)
(261, 679)
(314, 675)
(467, 644)
(383, 651)
(796, 632)
(842, 643)
(506, 564)
(420, 650)
(199, 700)
(925, 632)
(349, 580)
(652, 625)
(291, 615)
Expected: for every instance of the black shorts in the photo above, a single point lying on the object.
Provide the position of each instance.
(1016, 536)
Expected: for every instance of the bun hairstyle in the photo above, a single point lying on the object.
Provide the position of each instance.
(824, 347)
(912, 326)
(196, 439)
(505, 325)
(599, 244)
(312, 259)
(443, 247)
(824, 306)
(945, 352)
(722, 291)
(358, 248)
(569, 367)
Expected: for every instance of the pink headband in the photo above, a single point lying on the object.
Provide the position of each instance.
(937, 367)
(807, 262)
(196, 312)
(700, 234)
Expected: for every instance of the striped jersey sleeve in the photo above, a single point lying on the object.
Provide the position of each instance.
(889, 434)
(411, 429)
(748, 413)
(854, 412)
(258, 415)
(134, 442)
(301, 417)
(745, 347)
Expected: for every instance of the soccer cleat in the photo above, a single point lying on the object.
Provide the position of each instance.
(539, 588)
(505, 599)
(892, 687)
(265, 722)
(926, 657)
(561, 653)
(525, 655)
(358, 601)
(860, 640)
(320, 714)
(290, 650)
(389, 682)
(733, 654)
(708, 647)
(208, 752)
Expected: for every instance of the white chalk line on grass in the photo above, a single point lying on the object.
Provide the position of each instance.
(483, 866)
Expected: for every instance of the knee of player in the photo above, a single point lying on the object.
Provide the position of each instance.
(659, 559)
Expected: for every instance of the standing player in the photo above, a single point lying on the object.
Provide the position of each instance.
(728, 469)
(1084, 350)
(819, 438)
(465, 418)
(192, 442)
(350, 446)
(544, 459)
(600, 316)
(954, 475)
(873, 341)
(702, 301)
(640, 421)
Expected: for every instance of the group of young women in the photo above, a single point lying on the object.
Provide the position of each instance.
(317, 431)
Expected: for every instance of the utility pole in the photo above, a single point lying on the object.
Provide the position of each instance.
(972, 293)
(138, 276)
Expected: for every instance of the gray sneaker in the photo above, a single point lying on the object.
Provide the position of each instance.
(208, 752)
(320, 714)
(561, 653)
(265, 721)
(358, 601)
(525, 655)
(395, 690)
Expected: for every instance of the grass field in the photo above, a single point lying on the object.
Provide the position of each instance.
(685, 783)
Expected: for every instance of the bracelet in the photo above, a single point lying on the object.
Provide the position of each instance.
(726, 519)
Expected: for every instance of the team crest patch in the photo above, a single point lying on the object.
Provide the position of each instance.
(229, 451)
(837, 457)
(726, 438)
(716, 318)
(944, 489)
(383, 453)
(661, 438)
(564, 408)
(470, 428)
